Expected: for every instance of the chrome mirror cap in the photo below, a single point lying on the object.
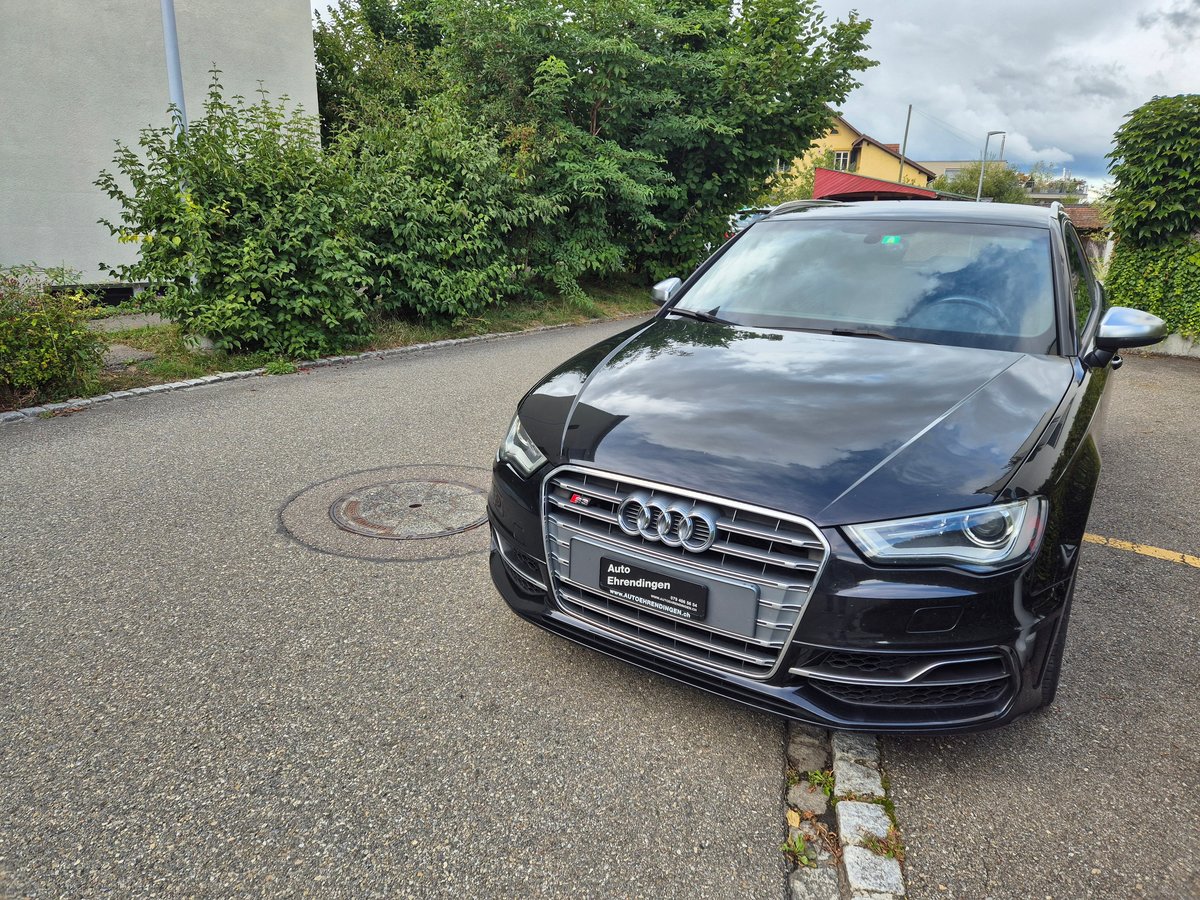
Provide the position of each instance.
(1122, 327)
(665, 290)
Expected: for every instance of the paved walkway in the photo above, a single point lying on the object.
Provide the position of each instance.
(118, 356)
(123, 323)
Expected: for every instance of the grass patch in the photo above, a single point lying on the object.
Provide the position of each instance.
(177, 360)
(281, 367)
(607, 301)
(129, 307)
(822, 781)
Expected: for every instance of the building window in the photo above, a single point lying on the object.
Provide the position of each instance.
(841, 160)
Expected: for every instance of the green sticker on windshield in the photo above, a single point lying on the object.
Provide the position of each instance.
(890, 239)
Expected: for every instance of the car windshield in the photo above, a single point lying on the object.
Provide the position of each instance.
(746, 218)
(956, 283)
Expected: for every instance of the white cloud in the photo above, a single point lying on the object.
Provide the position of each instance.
(1058, 77)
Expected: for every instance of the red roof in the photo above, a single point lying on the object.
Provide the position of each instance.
(1086, 218)
(830, 184)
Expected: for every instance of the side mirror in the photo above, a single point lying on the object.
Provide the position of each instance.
(1121, 328)
(665, 290)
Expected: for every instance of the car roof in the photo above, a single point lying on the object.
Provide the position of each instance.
(924, 210)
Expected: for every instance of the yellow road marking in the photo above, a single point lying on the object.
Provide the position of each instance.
(1145, 550)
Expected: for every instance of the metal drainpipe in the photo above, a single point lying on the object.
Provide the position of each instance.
(174, 70)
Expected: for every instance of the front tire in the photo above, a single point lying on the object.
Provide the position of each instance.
(1052, 672)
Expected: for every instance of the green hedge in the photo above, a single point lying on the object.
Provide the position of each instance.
(47, 352)
(1163, 280)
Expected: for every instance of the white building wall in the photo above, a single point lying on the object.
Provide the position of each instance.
(75, 75)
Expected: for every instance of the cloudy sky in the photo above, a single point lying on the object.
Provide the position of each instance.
(1057, 75)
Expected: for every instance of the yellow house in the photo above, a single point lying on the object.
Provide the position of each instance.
(860, 153)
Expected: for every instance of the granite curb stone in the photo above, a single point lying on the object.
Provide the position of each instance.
(808, 748)
(859, 817)
(20, 415)
(805, 798)
(857, 821)
(815, 884)
(856, 769)
(858, 777)
(870, 874)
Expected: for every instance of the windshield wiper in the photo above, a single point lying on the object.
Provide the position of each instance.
(699, 315)
(852, 332)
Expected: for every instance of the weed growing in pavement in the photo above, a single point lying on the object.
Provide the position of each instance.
(822, 781)
(891, 846)
(793, 777)
(797, 849)
(280, 367)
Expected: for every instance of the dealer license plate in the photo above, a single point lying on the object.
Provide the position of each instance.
(667, 595)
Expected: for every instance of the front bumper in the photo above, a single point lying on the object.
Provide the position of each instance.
(917, 651)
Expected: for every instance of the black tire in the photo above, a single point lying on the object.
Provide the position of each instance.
(1052, 672)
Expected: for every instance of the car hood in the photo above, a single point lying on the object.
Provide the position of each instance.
(837, 429)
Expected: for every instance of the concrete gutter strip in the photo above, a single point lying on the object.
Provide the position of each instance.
(1171, 345)
(31, 412)
(859, 871)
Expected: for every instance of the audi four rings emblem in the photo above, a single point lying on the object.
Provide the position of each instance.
(674, 522)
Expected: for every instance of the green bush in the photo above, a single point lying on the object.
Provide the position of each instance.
(645, 123)
(241, 225)
(436, 212)
(1163, 280)
(47, 352)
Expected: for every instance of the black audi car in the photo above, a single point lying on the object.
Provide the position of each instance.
(842, 475)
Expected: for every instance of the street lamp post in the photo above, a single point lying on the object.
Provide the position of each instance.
(983, 164)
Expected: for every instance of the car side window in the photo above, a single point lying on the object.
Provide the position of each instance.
(1083, 283)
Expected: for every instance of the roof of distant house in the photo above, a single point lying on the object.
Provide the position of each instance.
(1086, 218)
(893, 149)
(833, 184)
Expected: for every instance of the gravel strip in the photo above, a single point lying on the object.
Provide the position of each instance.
(49, 409)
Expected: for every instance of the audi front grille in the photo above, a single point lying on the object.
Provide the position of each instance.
(695, 536)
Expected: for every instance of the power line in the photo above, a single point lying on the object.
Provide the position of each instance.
(950, 129)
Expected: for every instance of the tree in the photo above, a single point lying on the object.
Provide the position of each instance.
(796, 183)
(645, 122)
(373, 53)
(1154, 208)
(1000, 182)
(1155, 162)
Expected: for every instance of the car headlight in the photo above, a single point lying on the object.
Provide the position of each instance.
(519, 450)
(988, 538)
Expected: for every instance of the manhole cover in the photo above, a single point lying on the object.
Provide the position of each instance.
(421, 512)
(410, 510)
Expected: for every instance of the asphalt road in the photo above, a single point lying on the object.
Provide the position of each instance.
(1099, 796)
(191, 702)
